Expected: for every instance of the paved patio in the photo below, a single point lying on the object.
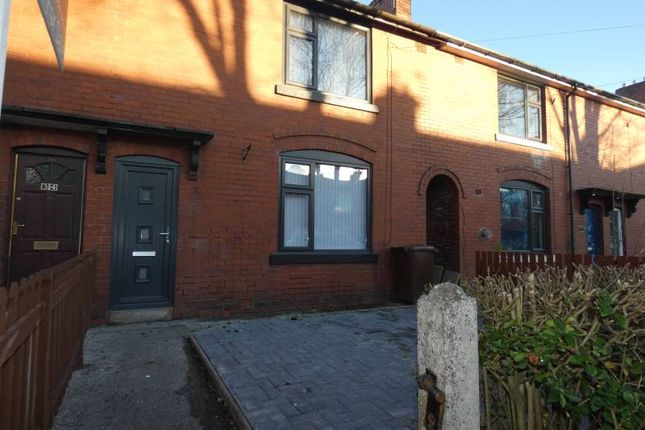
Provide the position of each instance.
(344, 370)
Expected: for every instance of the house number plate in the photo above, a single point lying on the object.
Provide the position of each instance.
(45, 186)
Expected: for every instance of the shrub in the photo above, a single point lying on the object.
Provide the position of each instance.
(560, 353)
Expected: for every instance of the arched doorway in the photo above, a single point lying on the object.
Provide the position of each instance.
(442, 221)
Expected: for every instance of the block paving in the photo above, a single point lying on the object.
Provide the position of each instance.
(343, 370)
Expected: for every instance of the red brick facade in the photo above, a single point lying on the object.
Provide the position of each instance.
(215, 66)
(633, 91)
(401, 8)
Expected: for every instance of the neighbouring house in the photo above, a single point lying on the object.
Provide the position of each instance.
(230, 157)
(635, 91)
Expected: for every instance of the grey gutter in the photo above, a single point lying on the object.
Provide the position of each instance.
(437, 38)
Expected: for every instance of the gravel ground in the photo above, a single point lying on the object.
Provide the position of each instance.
(142, 376)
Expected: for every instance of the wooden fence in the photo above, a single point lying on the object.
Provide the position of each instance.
(43, 320)
(501, 263)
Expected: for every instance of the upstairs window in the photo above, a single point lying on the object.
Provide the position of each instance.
(325, 54)
(520, 109)
(523, 220)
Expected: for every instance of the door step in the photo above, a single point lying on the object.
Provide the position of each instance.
(139, 315)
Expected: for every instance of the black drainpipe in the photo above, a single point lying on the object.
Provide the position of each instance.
(567, 139)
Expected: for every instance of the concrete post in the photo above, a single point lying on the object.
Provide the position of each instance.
(447, 346)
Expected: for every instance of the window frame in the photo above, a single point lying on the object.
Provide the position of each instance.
(313, 35)
(531, 188)
(311, 158)
(527, 104)
(620, 252)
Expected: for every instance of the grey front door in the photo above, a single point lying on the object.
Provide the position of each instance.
(144, 232)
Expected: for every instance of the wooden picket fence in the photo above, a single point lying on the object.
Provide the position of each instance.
(502, 263)
(43, 320)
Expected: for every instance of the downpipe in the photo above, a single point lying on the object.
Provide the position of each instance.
(569, 165)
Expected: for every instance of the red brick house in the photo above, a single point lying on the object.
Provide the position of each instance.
(235, 157)
(635, 91)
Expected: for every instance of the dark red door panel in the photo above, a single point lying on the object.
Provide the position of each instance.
(47, 211)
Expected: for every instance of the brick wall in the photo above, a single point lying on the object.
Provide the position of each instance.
(213, 65)
(402, 8)
(609, 154)
(633, 91)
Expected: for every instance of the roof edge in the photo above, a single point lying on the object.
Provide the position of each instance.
(443, 40)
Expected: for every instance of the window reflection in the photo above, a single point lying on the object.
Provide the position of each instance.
(32, 176)
(515, 219)
(523, 217)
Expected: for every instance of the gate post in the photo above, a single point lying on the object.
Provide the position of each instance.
(448, 357)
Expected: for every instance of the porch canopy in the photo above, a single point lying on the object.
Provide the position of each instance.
(610, 199)
(192, 139)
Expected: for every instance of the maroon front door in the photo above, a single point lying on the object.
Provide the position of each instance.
(46, 215)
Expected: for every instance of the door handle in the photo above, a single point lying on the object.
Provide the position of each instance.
(165, 234)
(15, 226)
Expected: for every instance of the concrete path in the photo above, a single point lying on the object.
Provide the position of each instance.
(142, 376)
(346, 370)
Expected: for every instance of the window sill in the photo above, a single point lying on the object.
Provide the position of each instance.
(523, 142)
(317, 96)
(283, 258)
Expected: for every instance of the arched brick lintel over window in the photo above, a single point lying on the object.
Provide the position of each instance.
(515, 173)
(307, 140)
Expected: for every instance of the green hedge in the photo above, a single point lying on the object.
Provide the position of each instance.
(560, 353)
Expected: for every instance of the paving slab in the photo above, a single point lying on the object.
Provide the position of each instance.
(342, 370)
(142, 376)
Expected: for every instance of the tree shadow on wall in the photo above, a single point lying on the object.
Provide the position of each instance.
(230, 71)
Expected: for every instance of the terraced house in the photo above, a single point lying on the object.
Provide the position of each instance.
(237, 157)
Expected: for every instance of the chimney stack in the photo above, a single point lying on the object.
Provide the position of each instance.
(400, 8)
